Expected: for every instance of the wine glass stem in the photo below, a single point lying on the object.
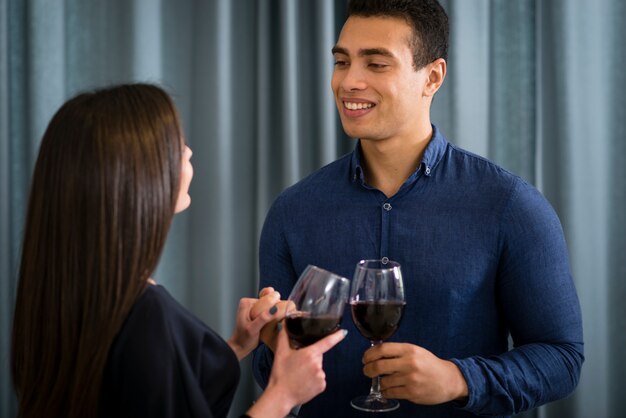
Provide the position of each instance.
(375, 388)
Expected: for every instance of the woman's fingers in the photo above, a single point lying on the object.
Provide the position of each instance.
(265, 303)
(328, 342)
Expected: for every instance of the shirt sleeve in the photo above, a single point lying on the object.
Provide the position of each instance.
(540, 307)
(276, 270)
(146, 375)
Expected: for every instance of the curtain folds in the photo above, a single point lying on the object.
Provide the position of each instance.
(616, 233)
(536, 86)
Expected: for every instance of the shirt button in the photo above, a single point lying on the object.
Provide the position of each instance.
(427, 170)
(384, 260)
(387, 206)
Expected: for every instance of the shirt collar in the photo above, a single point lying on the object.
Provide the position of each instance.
(432, 155)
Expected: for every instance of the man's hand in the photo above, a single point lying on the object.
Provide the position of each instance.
(413, 373)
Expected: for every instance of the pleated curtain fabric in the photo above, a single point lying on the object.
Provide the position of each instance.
(537, 86)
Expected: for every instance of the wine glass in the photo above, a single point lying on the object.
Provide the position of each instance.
(315, 306)
(314, 309)
(377, 304)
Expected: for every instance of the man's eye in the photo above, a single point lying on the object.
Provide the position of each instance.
(340, 63)
(378, 66)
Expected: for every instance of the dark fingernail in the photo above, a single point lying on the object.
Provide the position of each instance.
(279, 327)
(273, 309)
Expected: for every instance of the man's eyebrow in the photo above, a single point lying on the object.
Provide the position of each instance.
(376, 51)
(364, 52)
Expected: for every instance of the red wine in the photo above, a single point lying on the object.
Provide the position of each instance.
(305, 330)
(377, 321)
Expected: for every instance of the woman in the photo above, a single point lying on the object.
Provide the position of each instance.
(93, 334)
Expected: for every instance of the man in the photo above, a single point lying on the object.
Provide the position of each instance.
(482, 252)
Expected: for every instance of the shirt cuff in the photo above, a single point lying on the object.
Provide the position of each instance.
(473, 381)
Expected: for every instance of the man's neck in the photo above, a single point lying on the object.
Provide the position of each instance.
(389, 162)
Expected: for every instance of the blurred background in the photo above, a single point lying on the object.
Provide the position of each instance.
(537, 86)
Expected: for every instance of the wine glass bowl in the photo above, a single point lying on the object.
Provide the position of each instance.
(377, 321)
(377, 304)
(315, 306)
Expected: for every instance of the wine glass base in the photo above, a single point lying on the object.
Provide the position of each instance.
(374, 404)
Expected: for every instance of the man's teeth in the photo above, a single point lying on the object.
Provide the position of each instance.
(357, 106)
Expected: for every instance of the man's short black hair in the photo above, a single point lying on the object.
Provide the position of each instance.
(427, 18)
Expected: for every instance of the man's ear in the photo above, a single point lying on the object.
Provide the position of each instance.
(436, 72)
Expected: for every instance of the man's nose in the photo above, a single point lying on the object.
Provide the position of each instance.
(354, 79)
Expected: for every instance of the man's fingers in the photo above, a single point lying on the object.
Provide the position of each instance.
(383, 366)
(399, 392)
(386, 350)
(396, 380)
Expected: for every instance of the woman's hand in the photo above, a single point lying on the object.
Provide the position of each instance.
(297, 376)
(245, 338)
(269, 332)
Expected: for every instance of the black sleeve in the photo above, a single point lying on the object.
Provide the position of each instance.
(145, 375)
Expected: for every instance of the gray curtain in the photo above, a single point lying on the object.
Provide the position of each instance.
(535, 85)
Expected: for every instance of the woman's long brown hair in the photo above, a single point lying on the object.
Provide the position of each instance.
(102, 199)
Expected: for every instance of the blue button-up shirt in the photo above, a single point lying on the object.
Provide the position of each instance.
(483, 257)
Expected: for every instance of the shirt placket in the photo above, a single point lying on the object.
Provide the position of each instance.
(385, 213)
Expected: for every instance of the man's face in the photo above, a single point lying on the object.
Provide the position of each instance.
(377, 90)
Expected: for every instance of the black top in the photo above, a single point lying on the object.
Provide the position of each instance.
(165, 362)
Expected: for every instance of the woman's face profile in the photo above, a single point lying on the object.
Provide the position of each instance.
(184, 200)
